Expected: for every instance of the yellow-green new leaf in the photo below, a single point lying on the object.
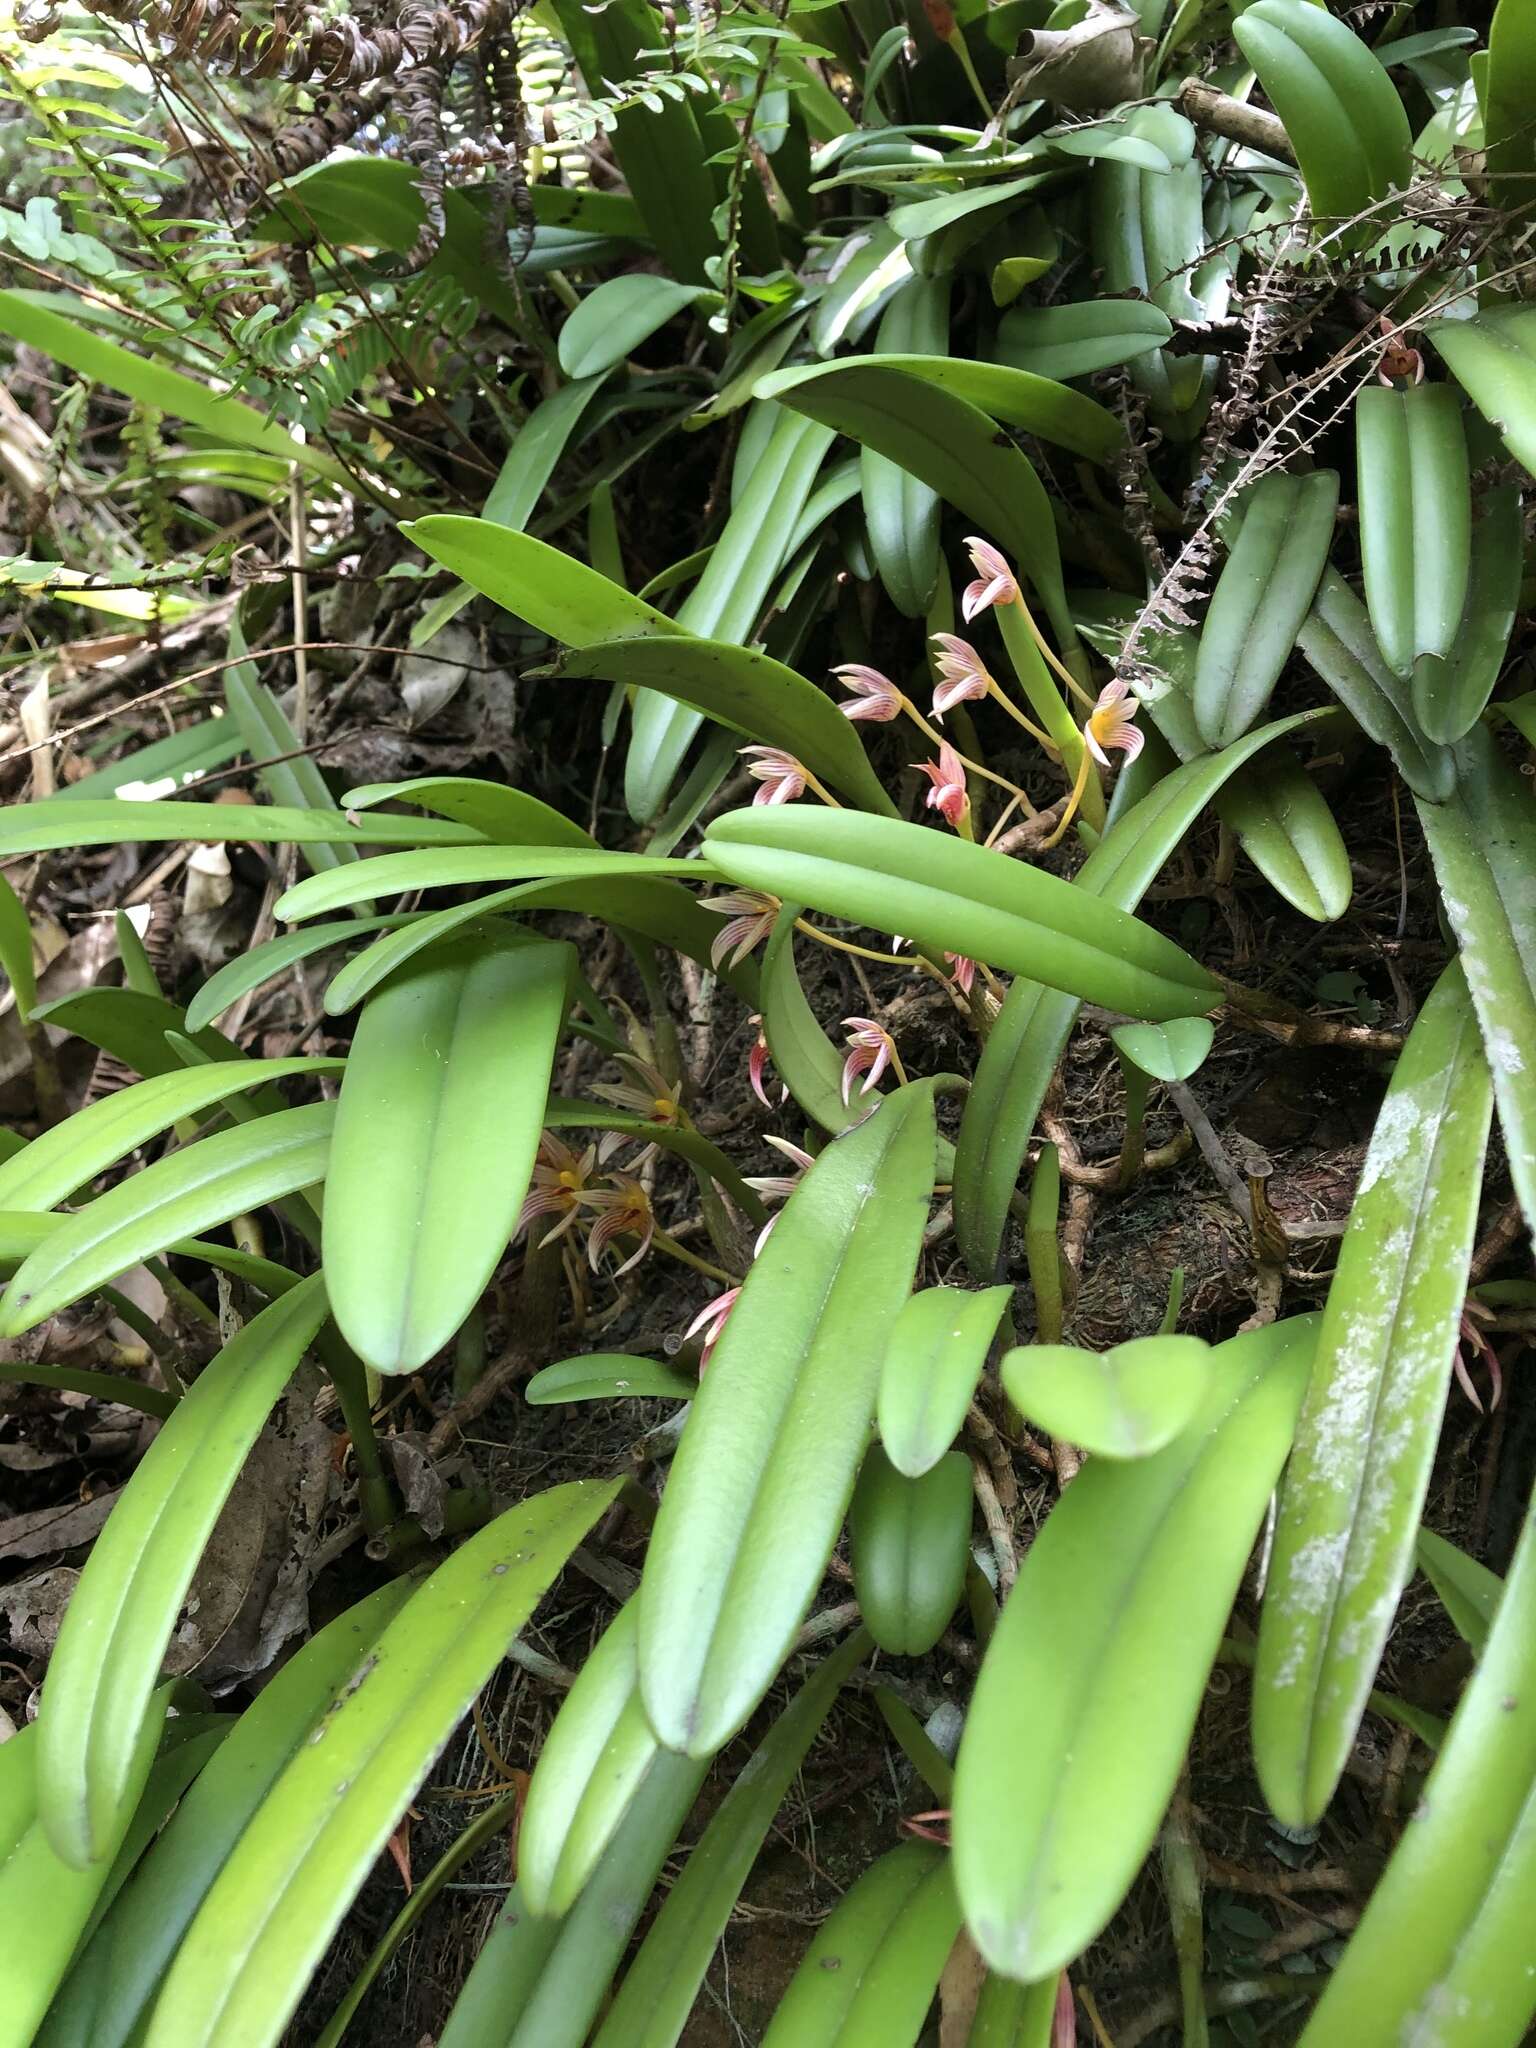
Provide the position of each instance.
(911, 1542)
(934, 1359)
(203, 1185)
(1366, 1440)
(122, 1612)
(1443, 1954)
(946, 893)
(868, 1978)
(1123, 1403)
(439, 1118)
(768, 1459)
(1089, 1689)
(271, 1912)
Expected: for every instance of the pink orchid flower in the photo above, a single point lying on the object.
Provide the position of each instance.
(871, 1052)
(995, 582)
(753, 916)
(624, 1211)
(555, 1187)
(948, 795)
(875, 696)
(962, 673)
(757, 1060)
(712, 1318)
(965, 972)
(1110, 723)
(778, 1187)
(781, 775)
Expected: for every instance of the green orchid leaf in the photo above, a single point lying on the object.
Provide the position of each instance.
(915, 1745)
(608, 1376)
(768, 1458)
(1444, 1949)
(132, 1027)
(70, 1156)
(1492, 356)
(594, 1761)
(656, 1997)
(507, 817)
(911, 1543)
(613, 320)
(901, 515)
(948, 444)
(194, 1189)
(46, 826)
(932, 1364)
(871, 1973)
(1127, 1402)
(1290, 834)
(1075, 340)
(112, 1983)
(1089, 1689)
(948, 894)
(1450, 696)
(1337, 640)
(1167, 1052)
(804, 1058)
(457, 867)
(265, 962)
(548, 590)
(288, 775)
(1480, 843)
(1360, 1469)
(745, 689)
(122, 1613)
(1509, 91)
(441, 1107)
(16, 950)
(1469, 1592)
(1030, 1034)
(271, 1911)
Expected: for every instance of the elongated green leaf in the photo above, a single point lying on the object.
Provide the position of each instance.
(455, 867)
(767, 1461)
(594, 1761)
(132, 1027)
(1076, 340)
(1508, 96)
(96, 1386)
(613, 320)
(1449, 697)
(43, 827)
(804, 1057)
(608, 1376)
(1012, 2015)
(193, 1190)
(1493, 358)
(507, 817)
(1337, 641)
(1031, 1032)
(1265, 590)
(122, 1612)
(58, 331)
(901, 515)
(535, 582)
(911, 1542)
(441, 1107)
(1368, 1430)
(948, 894)
(68, 1157)
(1443, 1954)
(1481, 846)
(16, 950)
(1469, 1592)
(935, 1357)
(273, 1907)
(656, 1997)
(1090, 1687)
(265, 962)
(288, 775)
(1290, 834)
(952, 446)
(110, 1985)
(747, 690)
(358, 977)
(1123, 1403)
(871, 1972)
(912, 1739)
(1167, 1052)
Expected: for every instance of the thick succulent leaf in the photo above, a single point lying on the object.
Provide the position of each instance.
(614, 318)
(194, 1189)
(767, 1461)
(1485, 862)
(45, 827)
(901, 514)
(1366, 1439)
(1123, 1403)
(1469, 1592)
(69, 1157)
(934, 1359)
(1443, 1953)
(271, 1911)
(911, 1542)
(1089, 1689)
(441, 1107)
(745, 689)
(1010, 2015)
(1493, 358)
(804, 1058)
(548, 590)
(1290, 834)
(1031, 1031)
(946, 893)
(608, 1376)
(656, 1998)
(1166, 1052)
(112, 1982)
(1337, 641)
(265, 962)
(868, 1978)
(1075, 340)
(1509, 92)
(1449, 696)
